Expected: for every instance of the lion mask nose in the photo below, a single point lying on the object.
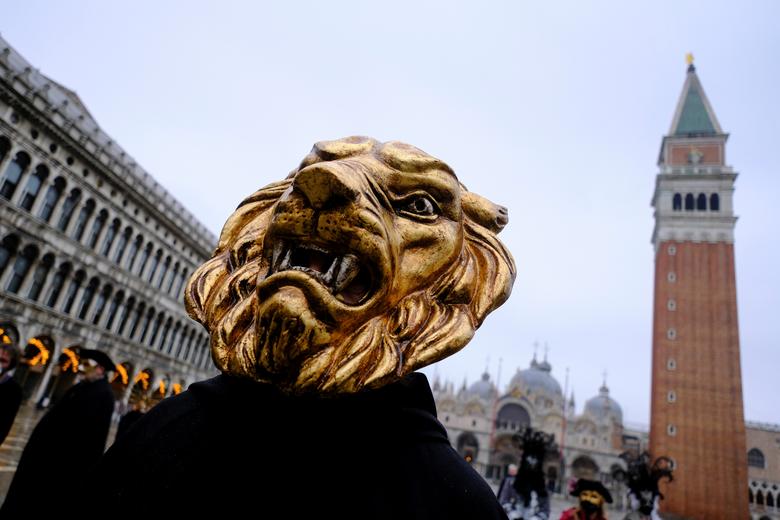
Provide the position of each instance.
(328, 185)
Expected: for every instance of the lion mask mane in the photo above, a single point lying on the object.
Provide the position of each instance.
(369, 261)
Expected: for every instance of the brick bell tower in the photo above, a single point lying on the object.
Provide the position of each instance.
(696, 410)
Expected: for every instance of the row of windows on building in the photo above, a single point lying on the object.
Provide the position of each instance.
(698, 203)
(761, 499)
(107, 239)
(68, 290)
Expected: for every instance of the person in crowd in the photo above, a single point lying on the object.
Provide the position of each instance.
(529, 484)
(507, 496)
(10, 390)
(68, 440)
(137, 410)
(592, 496)
(642, 478)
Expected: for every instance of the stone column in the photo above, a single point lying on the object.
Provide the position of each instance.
(102, 234)
(74, 216)
(56, 212)
(147, 268)
(44, 296)
(61, 297)
(7, 159)
(172, 340)
(119, 310)
(87, 226)
(9, 269)
(48, 181)
(16, 199)
(117, 238)
(93, 303)
(107, 311)
(190, 347)
(29, 277)
(47, 373)
(77, 299)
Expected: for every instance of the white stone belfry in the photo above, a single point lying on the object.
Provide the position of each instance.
(694, 187)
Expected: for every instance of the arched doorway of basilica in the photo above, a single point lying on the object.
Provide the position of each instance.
(35, 359)
(513, 417)
(585, 467)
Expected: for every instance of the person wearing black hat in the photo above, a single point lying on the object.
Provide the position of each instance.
(529, 485)
(66, 442)
(592, 495)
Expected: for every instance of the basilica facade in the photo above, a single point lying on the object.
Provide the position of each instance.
(94, 253)
(481, 420)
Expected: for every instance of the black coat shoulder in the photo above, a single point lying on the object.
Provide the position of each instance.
(234, 446)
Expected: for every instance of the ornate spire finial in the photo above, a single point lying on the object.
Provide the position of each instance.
(604, 390)
(689, 61)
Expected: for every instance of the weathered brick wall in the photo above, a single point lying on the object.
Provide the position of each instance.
(696, 356)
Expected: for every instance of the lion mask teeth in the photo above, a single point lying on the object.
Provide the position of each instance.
(343, 275)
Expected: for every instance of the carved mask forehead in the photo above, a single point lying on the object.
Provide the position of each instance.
(369, 261)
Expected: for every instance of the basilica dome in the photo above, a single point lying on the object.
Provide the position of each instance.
(483, 388)
(603, 406)
(536, 380)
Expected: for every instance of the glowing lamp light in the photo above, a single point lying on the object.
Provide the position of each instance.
(162, 387)
(143, 378)
(43, 353)
(176, 388)
(121, 371)
(72, 363)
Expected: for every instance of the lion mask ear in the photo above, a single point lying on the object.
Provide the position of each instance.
(483, 278)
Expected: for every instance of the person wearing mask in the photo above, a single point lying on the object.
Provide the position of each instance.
(592, 496)
(67, 442)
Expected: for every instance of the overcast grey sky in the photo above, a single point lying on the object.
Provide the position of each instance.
(554, 109)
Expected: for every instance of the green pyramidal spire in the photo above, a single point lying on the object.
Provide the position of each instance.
(694, 115)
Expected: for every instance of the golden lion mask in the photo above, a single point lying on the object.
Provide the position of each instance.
(369, 261)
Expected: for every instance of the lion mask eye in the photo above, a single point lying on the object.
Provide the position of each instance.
(419, 206)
